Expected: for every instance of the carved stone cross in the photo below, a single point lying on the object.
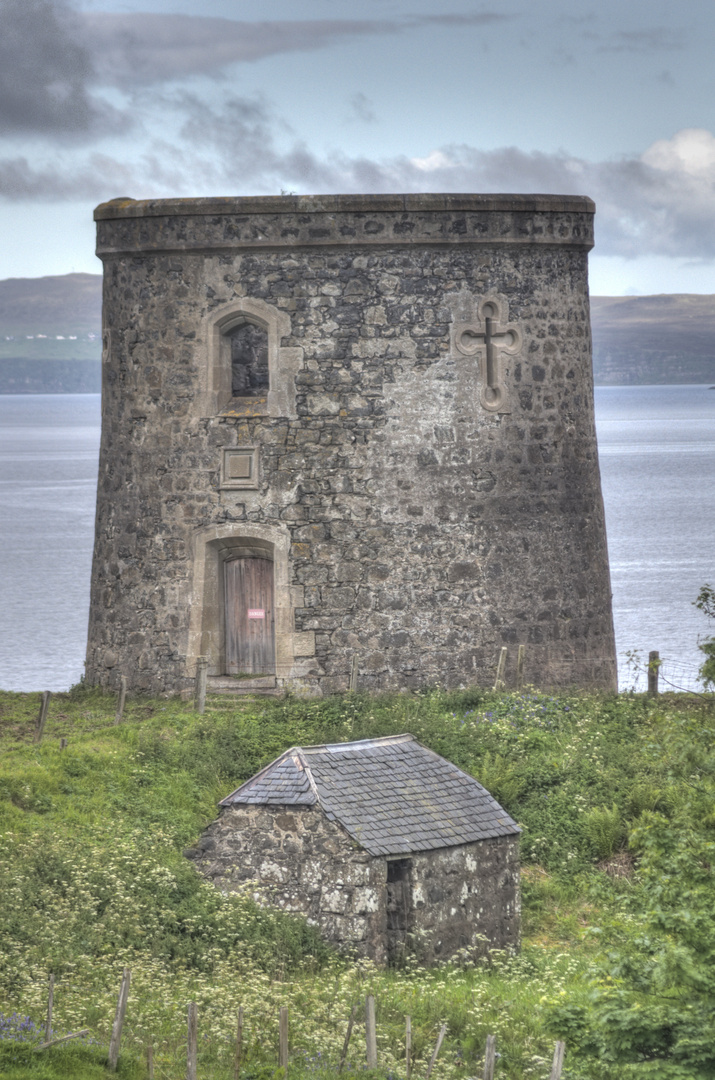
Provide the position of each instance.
(488, 339)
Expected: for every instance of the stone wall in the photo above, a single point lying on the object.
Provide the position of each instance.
(461, 898)
(304, 864)
(466, 898)
(414, 522)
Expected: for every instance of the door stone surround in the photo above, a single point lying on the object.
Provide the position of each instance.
(212, 546)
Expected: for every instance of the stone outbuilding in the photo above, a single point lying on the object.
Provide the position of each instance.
(383, 844)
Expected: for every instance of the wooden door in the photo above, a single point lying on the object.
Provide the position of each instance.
(250, 643)
(399, 908)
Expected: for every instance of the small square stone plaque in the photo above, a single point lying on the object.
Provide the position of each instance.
(239, 468)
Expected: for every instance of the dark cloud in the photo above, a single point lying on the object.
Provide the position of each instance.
(362, 108)
(240, 139)
(54, 59)
(477, 18)
(98, 177)
(661, 202)
(45, 70)
(151, 48)
(646, 40)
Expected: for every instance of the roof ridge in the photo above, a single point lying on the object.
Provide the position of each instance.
(309, 774)
(380, 740)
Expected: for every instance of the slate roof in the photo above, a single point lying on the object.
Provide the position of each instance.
(392, 795)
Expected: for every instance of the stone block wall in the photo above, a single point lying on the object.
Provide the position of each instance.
(414, 521)
(466, 898)
(305, 864)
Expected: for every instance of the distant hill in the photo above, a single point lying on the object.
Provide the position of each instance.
(653, 339)
(50, 336)
(70, 304)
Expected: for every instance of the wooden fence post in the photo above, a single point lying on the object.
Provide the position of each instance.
(121, 700)
(150, 1062)
(441, 1035)
(64, 1039)
(202, 665)
(239, 1043)
(50, 1003)
(408, 1046)
(348, 1033)
(353, 674)
(370, 1032)
(520, 667)
(64, 743)
(283, 1039)
(499, 680)
(192, 1040)
(42, 715)
(653, 669)
(490, 1057)
(119, 1020)
(559, 1052)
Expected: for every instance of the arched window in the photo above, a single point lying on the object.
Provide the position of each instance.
(250, 372)
(249, 360)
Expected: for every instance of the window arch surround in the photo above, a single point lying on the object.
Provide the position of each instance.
(283, 361)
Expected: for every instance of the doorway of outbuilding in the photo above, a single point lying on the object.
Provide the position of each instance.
(399, 908)
(249, 616)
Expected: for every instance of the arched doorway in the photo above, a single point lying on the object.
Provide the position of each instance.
(213, 548)
(249, 619)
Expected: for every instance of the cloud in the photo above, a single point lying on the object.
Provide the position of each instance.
(362, 108)
(95, 178)
(691, 151)
(434, 161)
(144, 47)
(646, 40)
(659, 202)
(55, 60)
(44, 71)
(476, 18)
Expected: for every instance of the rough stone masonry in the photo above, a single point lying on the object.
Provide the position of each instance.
(382, 407)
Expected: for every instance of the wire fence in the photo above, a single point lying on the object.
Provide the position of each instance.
(674, 675)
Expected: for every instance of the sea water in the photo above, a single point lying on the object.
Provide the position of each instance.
(656, 447)
(657, 455)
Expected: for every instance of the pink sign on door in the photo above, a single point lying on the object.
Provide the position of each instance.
(256, 613)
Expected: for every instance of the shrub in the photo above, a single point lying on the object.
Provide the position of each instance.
(706, 603)
(605, 830)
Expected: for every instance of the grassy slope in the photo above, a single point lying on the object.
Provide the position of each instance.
(92, 877)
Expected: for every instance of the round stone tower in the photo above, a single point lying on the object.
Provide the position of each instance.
(348, 437)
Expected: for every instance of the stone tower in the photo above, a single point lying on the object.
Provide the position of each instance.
(348, 430)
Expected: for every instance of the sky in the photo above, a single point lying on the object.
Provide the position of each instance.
(165, 98)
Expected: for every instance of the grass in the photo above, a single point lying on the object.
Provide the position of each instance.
(93, 878)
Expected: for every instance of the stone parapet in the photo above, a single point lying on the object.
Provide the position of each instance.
(342, 220)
